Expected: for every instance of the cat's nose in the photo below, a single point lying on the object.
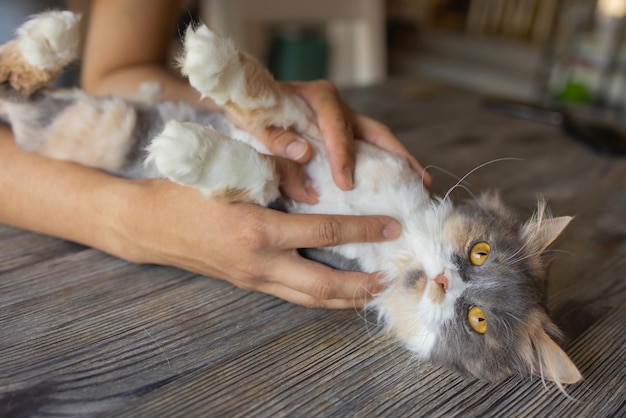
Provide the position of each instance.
(442, 281)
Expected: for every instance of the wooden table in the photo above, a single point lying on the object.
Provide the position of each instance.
(83, 333)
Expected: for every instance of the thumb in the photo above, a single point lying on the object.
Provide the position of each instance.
(286, 143)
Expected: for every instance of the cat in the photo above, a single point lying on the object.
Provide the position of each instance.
(465, 284)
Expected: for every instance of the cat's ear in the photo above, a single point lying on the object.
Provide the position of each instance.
(542, 233)
(552, 363)
(542, 229)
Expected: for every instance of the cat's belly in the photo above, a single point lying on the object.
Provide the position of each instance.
(384, 185)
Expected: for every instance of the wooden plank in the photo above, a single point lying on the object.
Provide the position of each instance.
(14, 242)
(312, 372)
(119, 330)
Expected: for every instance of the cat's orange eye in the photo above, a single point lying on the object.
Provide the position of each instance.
(477, 320)
(479, 253)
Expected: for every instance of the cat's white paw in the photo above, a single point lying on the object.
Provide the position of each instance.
(208, 62)
(199, 156)
(215, 67)
(235, 80)
(50, 40)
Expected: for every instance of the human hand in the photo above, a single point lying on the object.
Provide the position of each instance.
(340, 125)
(250, 246)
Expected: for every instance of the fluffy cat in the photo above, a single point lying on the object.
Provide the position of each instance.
(465, 284)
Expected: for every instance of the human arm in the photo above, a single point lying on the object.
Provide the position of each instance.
(157, 221)
(128, 42)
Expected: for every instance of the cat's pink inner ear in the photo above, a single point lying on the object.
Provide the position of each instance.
(553, 362)
(552, 228)
(547, 231)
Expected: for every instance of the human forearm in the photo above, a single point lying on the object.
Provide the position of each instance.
(157, 221)
(125, 81)
(58, 198)
(128, 43)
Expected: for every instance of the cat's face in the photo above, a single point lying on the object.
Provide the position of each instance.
(476, 301)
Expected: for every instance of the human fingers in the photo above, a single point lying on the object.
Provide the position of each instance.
(334, 122)
(285, 143)
(306, 300)
(312, 230)
(281, 142)
(318, 285)
(294, 183)
(376, 133)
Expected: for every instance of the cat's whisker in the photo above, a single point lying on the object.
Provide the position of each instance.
(158, 345)
(368, 327)
(522, 258)
(362, 312)
(509, 325)
(443, 170)
(535, 254)
(557, 251)
(518, 251)
(513, 260)
(517, 260)
(467, 189)
(462, 179)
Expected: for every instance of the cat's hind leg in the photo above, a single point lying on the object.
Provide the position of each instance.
(199, 156)
(63, 124)
(45, 44)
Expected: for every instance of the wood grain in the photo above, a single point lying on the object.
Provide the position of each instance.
(85, 334)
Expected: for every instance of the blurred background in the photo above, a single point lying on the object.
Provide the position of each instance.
(570, 51)
(537, 50)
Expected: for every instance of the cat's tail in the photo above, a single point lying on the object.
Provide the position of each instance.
(44, 45)
(236, 81)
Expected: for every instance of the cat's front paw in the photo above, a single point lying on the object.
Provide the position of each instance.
(211, 64)
(199, 156)
(217, 69)
(239, 83)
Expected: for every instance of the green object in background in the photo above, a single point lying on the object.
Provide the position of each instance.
(575, 92)
(299, 55)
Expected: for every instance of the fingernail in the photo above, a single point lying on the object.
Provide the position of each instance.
(392, 230)
(296, 149)
(347, 175)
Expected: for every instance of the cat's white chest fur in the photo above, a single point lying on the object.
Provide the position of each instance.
(384, 185)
